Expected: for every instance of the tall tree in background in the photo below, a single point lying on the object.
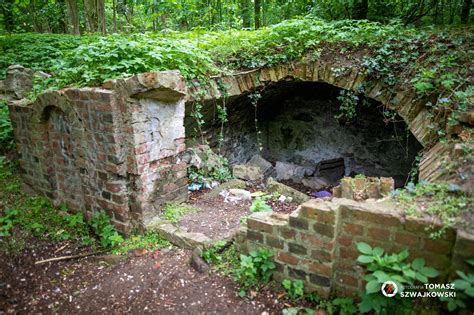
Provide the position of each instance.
(95, 15)
(245, 13)
(360, 9)
(114, 12)
(258, 15)
(7, 11)
(100, 9)
(73, 15)
(466, 9)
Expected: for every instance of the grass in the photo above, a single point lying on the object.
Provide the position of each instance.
(174, 211)
(149, 241)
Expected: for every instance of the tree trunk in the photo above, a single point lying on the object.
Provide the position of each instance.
(466, 10)
(114, 9)
(100, 14)
(89, 13)
(71, 6)
(245, 13)
(360, 9)
(258, 7)
(7, 11)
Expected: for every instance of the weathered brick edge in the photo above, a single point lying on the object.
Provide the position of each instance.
(317, 242)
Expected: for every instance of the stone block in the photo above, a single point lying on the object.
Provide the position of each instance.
(245, 172)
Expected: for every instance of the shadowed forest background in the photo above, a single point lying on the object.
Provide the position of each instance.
(90, 16)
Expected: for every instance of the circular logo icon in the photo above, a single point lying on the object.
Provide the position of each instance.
(389, 288)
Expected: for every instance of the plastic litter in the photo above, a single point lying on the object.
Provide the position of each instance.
(321, 194)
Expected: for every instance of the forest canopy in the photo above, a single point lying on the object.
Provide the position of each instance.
(128, 16)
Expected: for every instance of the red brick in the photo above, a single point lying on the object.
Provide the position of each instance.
(288, 259)
(437, 246)
(113, 187)
(348, 253)
(380, 218)
(345, 241)
(316, 241)
(314, 210)
(321, 255)
(319, 268)
(259, 226)
(407, 239)
(353, 229)
(379, 234)
(347, 279)
(287, 233)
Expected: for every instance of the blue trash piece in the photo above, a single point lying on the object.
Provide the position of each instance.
(321, 194)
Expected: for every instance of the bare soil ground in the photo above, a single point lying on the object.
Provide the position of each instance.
(158, 282)
(220, 220)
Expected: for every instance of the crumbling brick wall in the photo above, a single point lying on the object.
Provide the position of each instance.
(317, 242)
(114, 148)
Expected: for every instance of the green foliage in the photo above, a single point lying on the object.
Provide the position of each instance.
(445, 201)
(117, 56)
(260, 204)
(6, 129)
(36, 51)
(211, 255)
(382, 267)
(348, 105)
(216, 169)
(223, 173)
(464, 286)
(174, 212)
(294, 289)
(148, 241)
(37, 216)
(255, 269)
(7, 221)
(106, 232)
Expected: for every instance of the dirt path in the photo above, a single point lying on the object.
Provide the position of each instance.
(159, 282)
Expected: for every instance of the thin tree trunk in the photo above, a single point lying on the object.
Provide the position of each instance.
(71, 6)
(7, 10)
(258, 7)
(360, 9)
(114, 9)
(100, 14)
(466, 10)
(245, 12)
(89, 13)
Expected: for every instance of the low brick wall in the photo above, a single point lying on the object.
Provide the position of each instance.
(317, 242)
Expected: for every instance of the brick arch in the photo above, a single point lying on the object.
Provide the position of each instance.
(61, 138)
(350, 76)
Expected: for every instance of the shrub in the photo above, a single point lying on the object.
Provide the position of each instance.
(260, 204)
(106, 232)
(382, 267)
(255, 269)
(294, 289)
(6, 129)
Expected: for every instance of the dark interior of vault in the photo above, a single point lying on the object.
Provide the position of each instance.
(297, 127)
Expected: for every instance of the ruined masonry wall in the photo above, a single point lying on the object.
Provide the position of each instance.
(317, 242)
(114, 148)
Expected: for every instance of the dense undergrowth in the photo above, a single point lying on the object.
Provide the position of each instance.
(24, 216)
(433, 61)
